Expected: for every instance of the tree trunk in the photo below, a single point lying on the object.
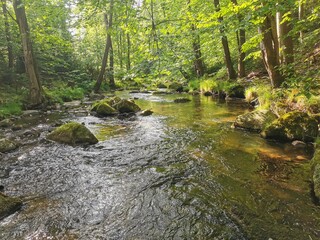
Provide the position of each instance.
(301, 16)
(111, 67)
(8, 35)
(128, 52)
(286, 41)
(270, 52)
(104, 63)
(36, 92)
(241, 39)
(227, 56)
(198, 62)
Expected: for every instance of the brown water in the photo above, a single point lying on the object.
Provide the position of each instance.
(182, 173)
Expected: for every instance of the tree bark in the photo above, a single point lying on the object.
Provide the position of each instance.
(36, 92)
(104, 63)
(270, 52)
(241, 39)
(8, 35)
(198, 62)
(227, 56)
(111, 66)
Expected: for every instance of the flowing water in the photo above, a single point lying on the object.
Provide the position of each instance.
(182, 173)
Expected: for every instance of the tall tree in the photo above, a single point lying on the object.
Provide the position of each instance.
(36, 92)
(270, 50)
(241, 39)
(227, 56)
(108, 23)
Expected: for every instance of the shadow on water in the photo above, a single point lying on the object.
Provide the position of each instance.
(182, 173)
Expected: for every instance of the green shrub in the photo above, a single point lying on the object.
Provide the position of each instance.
(63, 93)
(10, 108)
(194, 85)
(208, 85)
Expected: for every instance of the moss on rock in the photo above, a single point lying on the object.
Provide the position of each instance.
(104, 109)
(315, 167)
(255, 120)
(126, 106)
(73, 133)
(8, 205)
(292, 126)
(7, 145)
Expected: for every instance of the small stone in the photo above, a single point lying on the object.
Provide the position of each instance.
(182, 100)
(298, 144)
(147, 112)
(7, 145)
(8, 205)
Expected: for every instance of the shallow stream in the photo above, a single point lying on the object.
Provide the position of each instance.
(182, 173)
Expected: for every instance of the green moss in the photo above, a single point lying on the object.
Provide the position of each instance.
(104, 109)
(8, 205)
(73, 133)
(6, 145)
(293, 126)
(126, 106)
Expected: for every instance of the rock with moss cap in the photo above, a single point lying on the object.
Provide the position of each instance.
(8, 205)
(255, 120)
(104, 110)
(292, 126)
(73, 133)
(127, 106)
(315, 166)
(7, 145)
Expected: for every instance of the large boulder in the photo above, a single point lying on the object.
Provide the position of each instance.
(127, 106)
(292, 126)
(7, 145)
(255, 120)
(8, 205)
(104, 109)
(236, 91)
(72, 133)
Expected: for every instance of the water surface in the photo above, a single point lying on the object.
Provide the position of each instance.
(182, 173)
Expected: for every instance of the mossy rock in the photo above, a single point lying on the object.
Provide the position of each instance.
(104, 109)
(113, 101)
(315, 166)
(6, 123)
(126, 106)
(7, 145)
(73, 133)
(147, 112)
(292, 126)
(8, 205)
(181, 100)
(237, 91)
(110, 101)
(255, 120)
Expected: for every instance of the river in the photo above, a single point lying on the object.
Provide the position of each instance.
(182, 173)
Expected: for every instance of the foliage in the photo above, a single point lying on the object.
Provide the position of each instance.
(63, 93)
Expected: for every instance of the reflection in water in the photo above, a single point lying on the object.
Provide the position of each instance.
(182, 173)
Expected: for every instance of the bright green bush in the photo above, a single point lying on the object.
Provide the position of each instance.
(10, 108)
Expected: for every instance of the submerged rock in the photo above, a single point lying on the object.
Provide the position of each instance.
(6, 123)
(7, 145)
(181, 100)
(147, 112)
(73, 133)
(255, 120)
(8, 205)
(292, 126)
(127, 106)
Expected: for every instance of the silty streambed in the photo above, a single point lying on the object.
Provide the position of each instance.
(182, 173)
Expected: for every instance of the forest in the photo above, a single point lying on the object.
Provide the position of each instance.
(55, 50)
(149, 119)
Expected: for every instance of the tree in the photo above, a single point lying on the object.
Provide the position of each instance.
(108, 22)
(8, 35)
(36, 93)
(227, 56)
